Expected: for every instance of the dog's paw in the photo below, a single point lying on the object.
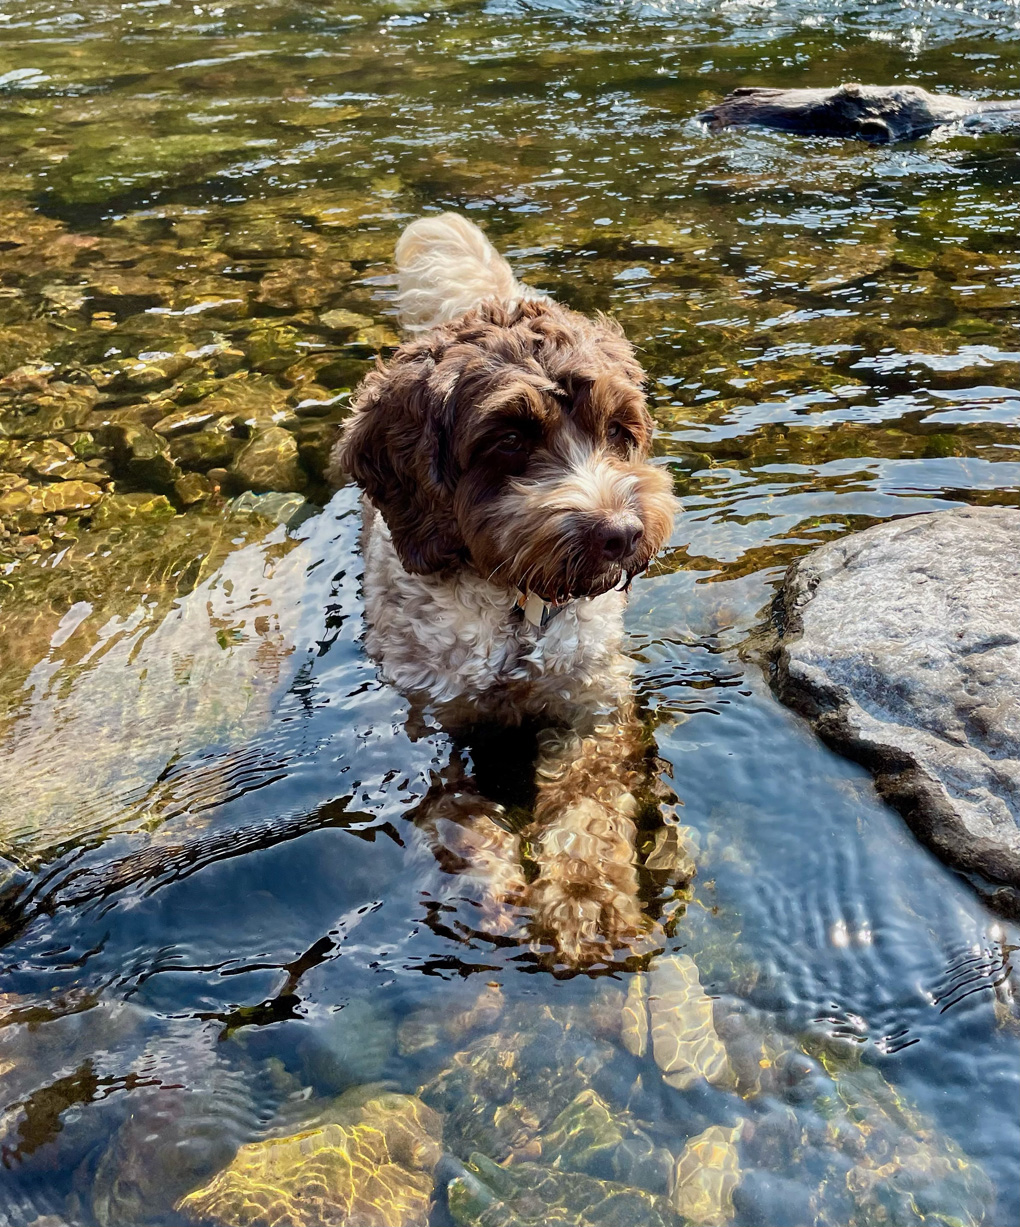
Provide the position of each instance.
(585, 900)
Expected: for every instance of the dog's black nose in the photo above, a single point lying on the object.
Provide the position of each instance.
(618, 537)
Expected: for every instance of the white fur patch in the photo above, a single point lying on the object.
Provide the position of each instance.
(590, 484)
(445, 267)
(458, 638)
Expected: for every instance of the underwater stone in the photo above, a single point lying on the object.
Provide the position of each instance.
(371, 1168)
(269, 461)
(290, 509)
(706, 1173)
(63, 496)
(684, 1040)
(583, 1136)
(588, 1136)
(296, 285)
(207, 449)
(156, 372)
(531, 1195)
(428, 1026)
(351, 1046)
(316, 441)
(37, 415)
(190, 489)
(172, 1138)
(128, 508)
(901, 645)
(505, 1088)
(274, 349)
(142, 454)
(634, 1029)
(48, 458)
(673, 851)
(251, 397)
(184, 421)
(347, 323)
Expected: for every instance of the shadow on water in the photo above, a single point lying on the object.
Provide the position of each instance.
(220, 922)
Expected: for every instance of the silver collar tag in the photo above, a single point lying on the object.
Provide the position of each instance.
(536, 611)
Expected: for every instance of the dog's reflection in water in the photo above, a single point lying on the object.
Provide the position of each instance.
(509, 503)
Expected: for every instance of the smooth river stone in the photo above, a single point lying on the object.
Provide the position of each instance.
(684, 1040)
(706, 1173)
(901, 645)
(372, 1167)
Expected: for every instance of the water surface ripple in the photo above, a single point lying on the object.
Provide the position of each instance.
(216, 909)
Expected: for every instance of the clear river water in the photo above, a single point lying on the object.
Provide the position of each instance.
(216, 913)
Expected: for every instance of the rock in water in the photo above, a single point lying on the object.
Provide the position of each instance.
(372, 1167)
(684, 1041)
(705, 1176)
(269, 461)
(530, 1195)
(876, 113)
(901, 645)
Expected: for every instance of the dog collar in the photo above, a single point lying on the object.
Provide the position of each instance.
(540, 612)
(535, 610)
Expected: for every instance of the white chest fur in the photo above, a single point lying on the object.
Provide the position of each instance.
(457, 640)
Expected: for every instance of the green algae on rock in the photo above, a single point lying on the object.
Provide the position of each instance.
(531, 1195)
(268, 462)
(369, 1167)
(103, 167)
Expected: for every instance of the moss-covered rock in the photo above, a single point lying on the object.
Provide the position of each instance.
(532, 1195)
(213, 446)
(105, 165)
(269, 461)
(141, 455)
(273, 349)
(118, 509)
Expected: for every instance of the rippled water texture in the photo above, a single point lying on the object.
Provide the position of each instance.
(217, 914)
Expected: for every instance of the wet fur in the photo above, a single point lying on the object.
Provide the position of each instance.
(458, 521)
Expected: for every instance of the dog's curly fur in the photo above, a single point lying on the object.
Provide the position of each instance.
(503, 452)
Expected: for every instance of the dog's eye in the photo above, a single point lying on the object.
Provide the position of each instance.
(512, 443)
(618, 433)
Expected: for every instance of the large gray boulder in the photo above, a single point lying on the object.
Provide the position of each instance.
(901, 645)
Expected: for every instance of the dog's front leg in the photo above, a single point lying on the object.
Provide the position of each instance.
(585, 900)
(477, 854)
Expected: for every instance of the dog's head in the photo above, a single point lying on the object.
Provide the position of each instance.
(513, 440)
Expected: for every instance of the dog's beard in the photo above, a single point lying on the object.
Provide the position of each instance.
(557, 561)
(541, 536)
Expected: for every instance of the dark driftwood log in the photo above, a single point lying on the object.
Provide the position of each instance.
(879, 113)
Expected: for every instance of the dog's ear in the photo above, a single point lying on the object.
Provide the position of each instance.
(396, 447)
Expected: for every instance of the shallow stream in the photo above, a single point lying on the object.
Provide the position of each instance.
(216, 914)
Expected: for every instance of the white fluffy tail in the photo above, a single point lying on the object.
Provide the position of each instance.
(446, 266)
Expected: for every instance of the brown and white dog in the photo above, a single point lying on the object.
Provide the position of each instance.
(509, 503)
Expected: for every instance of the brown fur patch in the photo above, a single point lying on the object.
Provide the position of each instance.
(509, 439)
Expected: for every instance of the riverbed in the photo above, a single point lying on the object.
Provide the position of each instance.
(216, 912)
